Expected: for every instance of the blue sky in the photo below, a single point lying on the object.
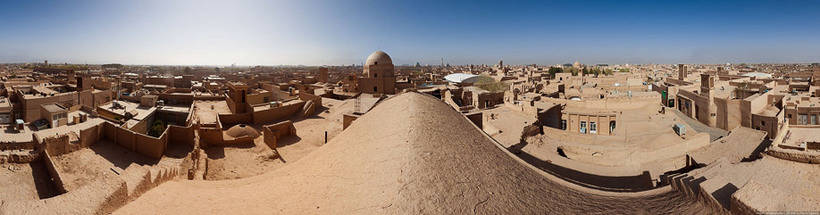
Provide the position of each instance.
(462, 32)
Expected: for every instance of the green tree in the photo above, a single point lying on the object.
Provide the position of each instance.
(157, 128)
(490, 84)
(553, 70)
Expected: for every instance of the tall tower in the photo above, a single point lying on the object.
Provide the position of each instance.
(323, 77)
(681, 71)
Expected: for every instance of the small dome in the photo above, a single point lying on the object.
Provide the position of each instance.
(378, 58)
(242, 130)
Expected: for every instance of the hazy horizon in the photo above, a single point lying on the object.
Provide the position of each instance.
(315, 33)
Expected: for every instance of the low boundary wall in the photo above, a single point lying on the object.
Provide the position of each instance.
(272, 133)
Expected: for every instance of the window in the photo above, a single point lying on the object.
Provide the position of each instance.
(593, 128)
(611, 127)
(814, 119)
(563, 124)
(802, 119)
(375, 75)
(583, 128)
(266, 99)
(762, 123)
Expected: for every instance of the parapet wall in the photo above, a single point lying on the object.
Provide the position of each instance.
(272, 133)
(233, 119)
(794, 155)
(210, 136)
(277, 113)
(317, 100)
(52, 171)
(6, 145)
(140, 143)
(181, 135)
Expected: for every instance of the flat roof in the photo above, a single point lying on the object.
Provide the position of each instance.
(53, 108)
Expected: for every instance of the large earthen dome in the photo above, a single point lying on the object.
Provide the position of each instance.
(242, 130)
(378, 58)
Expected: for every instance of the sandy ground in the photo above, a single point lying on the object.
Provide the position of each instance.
(83, 166)
(257, 158)
(507, 125)
(25, 182)
(412, 154)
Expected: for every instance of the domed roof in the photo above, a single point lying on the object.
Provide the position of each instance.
(378, 57)
(242, 130)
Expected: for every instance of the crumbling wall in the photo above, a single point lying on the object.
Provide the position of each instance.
(56, 145)
(794, 155)
(12, 145)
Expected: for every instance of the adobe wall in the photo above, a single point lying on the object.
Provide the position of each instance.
(52, 171)
(701, 107)
(210, 136)
(281, 129)
(232, 119)
(278, 113)
(149, 146)
(140, 143)
(124, 138)
(728, 114)
(180, 135)
(235, 141)
(749, 106)
(102, 196)
(794, 155)
(173, 118)
(317, 100)
(56, 145)
(173, 99)
(613, 103)
(769, 124)
(348, 119)
(13, 145)
(31, 106)
(143, 125)
(564, 171)
(270, 138)
(477, 118)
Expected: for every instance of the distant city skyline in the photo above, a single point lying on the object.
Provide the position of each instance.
(249, 33)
